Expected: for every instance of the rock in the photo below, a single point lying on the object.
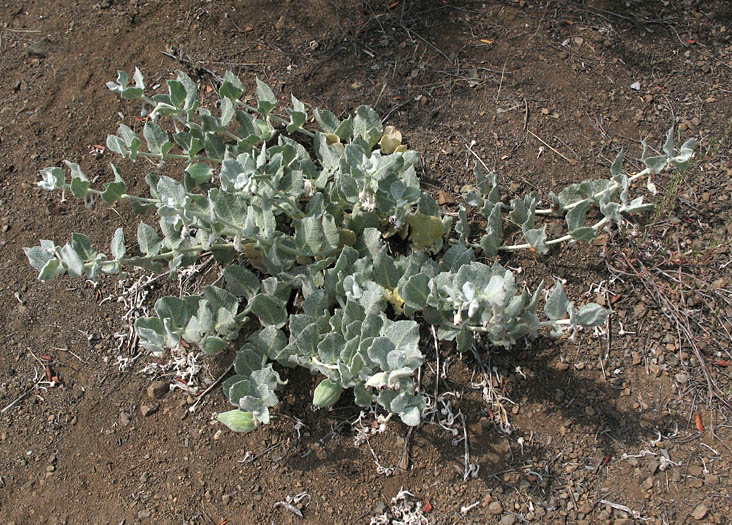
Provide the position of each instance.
(700, 512)
(143, 514)
(639, 310)
(124, 419)
(637, 360)
(158, 389)
(495, 508)
(696, 483)
(711, 479)
(444, 197)
(225, 499)
(508, 519)
(39, 49)
(146, 410)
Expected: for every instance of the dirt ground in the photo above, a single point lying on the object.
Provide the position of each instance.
(631, 424)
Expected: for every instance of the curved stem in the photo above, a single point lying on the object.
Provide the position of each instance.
(616, 185)
(565, 322)
(320, 363)
(568, 237)
(176, 156)
(126, 196)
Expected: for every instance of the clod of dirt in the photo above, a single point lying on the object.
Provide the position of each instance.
(39, 49)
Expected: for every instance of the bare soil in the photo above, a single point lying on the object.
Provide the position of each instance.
(618, 426)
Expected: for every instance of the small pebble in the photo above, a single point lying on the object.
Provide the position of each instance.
(158, 389)
(146, 410)
(700, 512)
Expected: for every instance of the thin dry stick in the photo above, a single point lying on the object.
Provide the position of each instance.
(469, 147)
(571, 161)
(193, 407)
(437, 377)
(500, 84)
(404, 461)
(608, 332)
(20, 397)
(468, 466)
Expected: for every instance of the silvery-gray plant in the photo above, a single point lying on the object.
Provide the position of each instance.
(281, 220)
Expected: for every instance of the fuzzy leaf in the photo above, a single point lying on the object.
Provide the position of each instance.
(537, 238)
(426, 230)
(118, 244)
(241, 282)
(79, 181)
(231, 88)
(266, 98)
(591, 314)
(238, 420)
(52, 178)
(557, 303)
(384, 272)
(415, 291)
(298, 115)
(327, 121)
(148, 239)
(367, 125)
(270, 310)
(156, 138)
(199, 172)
